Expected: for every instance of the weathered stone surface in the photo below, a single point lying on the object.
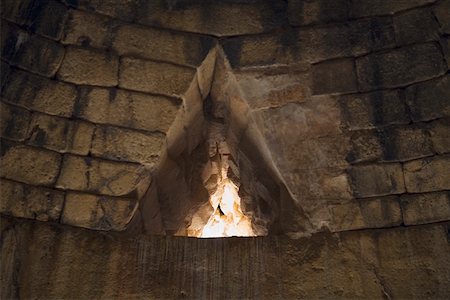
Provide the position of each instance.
(317, 11)
(365, 111)
(97, 212)
(366, 213)
(318, 184)
(155, 77)
(442, 12)
(32, 53)
(439, 131)
(162, 45)
(128, 109)
(4, 73)
(24, 201)
(429, 100)
(14, 122)
(262, 89)
(60, 134)
(334, 76)
(366, 146)
(16, 11)
(40, 94)
(445, 44)
(427, 175)
(87, 29)
(400, 67)
(48, 18)
(416, 26)
(103, 177)
(82, 66)
(210, 17)
(404, 143)
(377, 180)
(425, 208)
(127, 145)
(28, 164)
(313, 44)
(364, 8)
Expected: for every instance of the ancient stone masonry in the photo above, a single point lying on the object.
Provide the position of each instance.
(130, 117)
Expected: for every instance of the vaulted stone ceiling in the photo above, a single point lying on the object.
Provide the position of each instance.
(346, 106)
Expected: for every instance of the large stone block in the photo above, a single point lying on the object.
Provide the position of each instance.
(377, 180)
(48, 18)
(90, 67)
(442, 12)
(128, 109)
(400, 67)
(29, 164)
(321, 184)
(366, 213)
(32, 53)
(429, 100)
(103, 177)
(162, 45)
(416, 26)
(24, 201)
(97, 212)
(427, 175)
(439, 131)
(312, 44)
(302, 12)
(365, 111)
(155, 77)
(60, 134)
(14, 122)
(334, 76)
(262, 89)
(366, 146)
(40, 94)
(127, 145)
(16, 11)
(88, 29)
(364, 8)
(425, 208)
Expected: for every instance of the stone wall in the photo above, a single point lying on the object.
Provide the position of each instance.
(350, 101)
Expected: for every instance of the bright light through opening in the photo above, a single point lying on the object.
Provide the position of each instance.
(228, 218)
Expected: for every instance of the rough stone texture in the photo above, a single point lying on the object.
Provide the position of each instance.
(48, 18)
(97, 212)
(416, 26)
(4, 73)
(400, 67)
(426, 208)
(60, 134)
(377, 180)
(366, 146)
(334, 76)
(30, 52)
(442, 12)
(128, 109)
(445, 44)
(317, 11)
(367, 213)
(127, 145)
(82, 66)
(87, 29)
(429, 100)
(439, 131)
(364, 8)
(155, 77)
(162, 45)
(40, 94)
(427, 175)
(14, 122)
(28, 164)
(361, 264)
(263, 89)
(101, 176)
(24, 201)
(16, 11)
(365, 111)
(311, 44)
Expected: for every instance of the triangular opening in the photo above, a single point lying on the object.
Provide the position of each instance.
(216, 178)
